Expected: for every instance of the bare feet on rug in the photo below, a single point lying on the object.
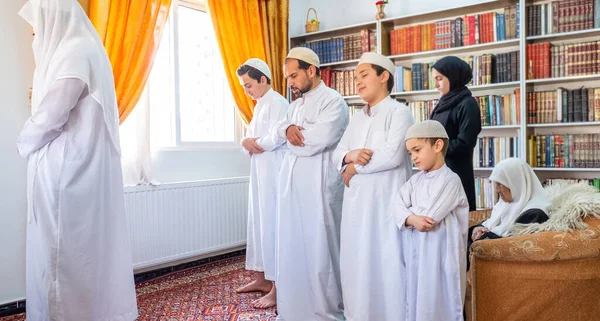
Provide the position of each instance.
(260, 284)
(267, 301)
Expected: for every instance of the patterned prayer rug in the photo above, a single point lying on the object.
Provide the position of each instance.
(204, 293)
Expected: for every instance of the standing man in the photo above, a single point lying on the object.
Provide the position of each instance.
(310, 192)
(265, 161)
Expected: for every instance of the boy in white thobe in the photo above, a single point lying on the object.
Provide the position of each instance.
(310, 190)
(374, 163)
(432, 210)
(265, 161)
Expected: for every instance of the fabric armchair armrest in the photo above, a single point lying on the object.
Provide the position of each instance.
(542, 247)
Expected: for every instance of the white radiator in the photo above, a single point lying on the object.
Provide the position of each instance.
(178, 221)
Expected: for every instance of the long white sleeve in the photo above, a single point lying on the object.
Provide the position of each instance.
(342, 148)
(393, 152)
(450, 194)
(277, 113)
(50, 116)
(327, 130)
(402, 204)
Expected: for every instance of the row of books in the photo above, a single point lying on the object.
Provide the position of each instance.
(462, 31)
(422, 109)
(564, 150)
(563, 106)
(562, 16)
(545, 60)
(491, 150)
(354, 108)
(487, 69)
(500, 110)
(485, 193)
(344, 48)
(341, 81)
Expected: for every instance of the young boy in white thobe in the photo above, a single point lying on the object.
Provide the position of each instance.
(265, 160)
(374, 164)
(432, 210)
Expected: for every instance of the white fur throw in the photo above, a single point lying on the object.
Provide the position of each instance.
(571, 204)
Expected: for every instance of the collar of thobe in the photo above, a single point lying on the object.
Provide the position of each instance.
(372, 111)
(435, 173)
(266, 96)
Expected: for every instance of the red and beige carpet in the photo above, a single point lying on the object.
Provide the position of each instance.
(204, 293)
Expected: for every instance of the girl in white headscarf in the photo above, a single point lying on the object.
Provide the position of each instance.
(79, 263)
(521, 199)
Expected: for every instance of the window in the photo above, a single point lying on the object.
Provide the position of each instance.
(190, 101)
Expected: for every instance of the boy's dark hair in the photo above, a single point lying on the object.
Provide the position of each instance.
(379, 70)
(252, 73)
(305, 65)
(445, 140)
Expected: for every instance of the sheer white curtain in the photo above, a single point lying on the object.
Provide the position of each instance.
(150, 125)
(136, 151)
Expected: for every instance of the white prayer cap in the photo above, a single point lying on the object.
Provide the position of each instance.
(306, 55)
(426, 129)
(379, 60)
(259, 65)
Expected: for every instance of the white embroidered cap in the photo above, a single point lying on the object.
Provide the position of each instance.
(379, 60)
(306, 55)
(426, 129)
(259, 65)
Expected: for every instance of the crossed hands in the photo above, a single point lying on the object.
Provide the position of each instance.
(357, 156)
(421, 223)
(252, 146)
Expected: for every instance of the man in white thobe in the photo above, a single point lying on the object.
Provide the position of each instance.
(374, 163)
(310, 191)
(432, 211)
(79, 263)
(265, 161)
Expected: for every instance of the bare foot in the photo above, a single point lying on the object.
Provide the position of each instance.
(263, 286)
(267, 301)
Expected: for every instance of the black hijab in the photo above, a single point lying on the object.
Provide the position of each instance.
(459, 74)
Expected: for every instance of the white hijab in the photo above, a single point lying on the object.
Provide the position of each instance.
(527, 193)
(66, 45)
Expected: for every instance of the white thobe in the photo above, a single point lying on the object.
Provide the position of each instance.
(434, 261)
(264, 170)
(78, 255)
(309, 211)
(370, 241)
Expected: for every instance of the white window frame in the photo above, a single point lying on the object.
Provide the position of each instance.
(239, 127)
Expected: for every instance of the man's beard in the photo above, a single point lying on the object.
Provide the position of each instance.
(303, 90)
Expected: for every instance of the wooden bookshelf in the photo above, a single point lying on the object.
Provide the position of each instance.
(574, 124)
(566, 35)
(563, 79)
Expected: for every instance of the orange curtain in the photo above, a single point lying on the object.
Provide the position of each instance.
(238, 30)
(275, 18)
(131, 31)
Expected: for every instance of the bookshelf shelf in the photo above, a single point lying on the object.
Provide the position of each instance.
(341, 63)
(353, 97)
(566, 35)
(483, 169)
(440, 52)
(559, 169)
(512, 84)
(334, 32)
(562, 79)
(501, 127)
(593, 123)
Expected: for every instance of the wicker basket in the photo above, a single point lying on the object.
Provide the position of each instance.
(312, 27)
